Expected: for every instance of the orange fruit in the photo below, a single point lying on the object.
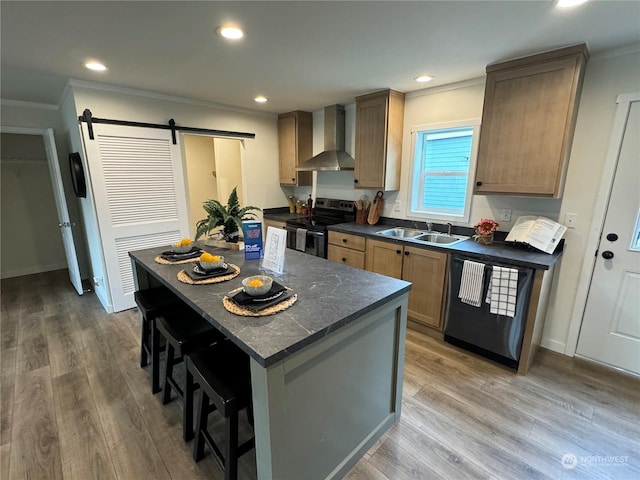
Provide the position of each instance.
(207, 257)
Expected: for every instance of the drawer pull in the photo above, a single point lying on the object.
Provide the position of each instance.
(344, 259)
(344, 240)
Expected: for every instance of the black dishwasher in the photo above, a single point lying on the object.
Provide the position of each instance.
(498, 337)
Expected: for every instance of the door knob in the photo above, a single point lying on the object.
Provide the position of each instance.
(607, 255)
(612, 237)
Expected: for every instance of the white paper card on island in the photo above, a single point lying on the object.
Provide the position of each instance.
(274, 247)
(539, 232)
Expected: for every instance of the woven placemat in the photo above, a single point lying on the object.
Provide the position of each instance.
(163, 261)
(236, 309)
(184, 278)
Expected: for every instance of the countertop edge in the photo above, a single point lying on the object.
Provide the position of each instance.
(499, 251)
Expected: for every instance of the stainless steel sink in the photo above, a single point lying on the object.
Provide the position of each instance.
(441, 238)
(400, 232)
(422, 236)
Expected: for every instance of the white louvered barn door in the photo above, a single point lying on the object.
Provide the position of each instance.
(138, 187)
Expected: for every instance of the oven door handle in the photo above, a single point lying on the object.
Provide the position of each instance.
(309, 232)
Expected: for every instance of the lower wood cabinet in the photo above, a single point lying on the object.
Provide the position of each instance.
(266, 223)
(346, 249)
(426, 269)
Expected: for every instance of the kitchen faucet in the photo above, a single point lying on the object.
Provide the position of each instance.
(449, 228)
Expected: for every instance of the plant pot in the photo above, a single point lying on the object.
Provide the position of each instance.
(484, 239)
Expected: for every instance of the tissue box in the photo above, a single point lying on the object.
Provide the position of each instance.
(252, 232)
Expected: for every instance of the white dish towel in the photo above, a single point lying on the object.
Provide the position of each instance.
(301, 239)
(471, 283)
(503, 291)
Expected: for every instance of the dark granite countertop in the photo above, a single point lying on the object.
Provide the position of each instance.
(330, 296)
(497, 252)
(282, 216)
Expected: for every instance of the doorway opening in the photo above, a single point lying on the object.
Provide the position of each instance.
(213, 168)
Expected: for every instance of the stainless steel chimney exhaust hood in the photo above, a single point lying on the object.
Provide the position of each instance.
(334, 158)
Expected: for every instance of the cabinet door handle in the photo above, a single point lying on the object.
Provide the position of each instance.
(344, 240)
(355, 180)
(344, 259)
(293, 179)
(406, 253)
(398, 252)
(478, 184)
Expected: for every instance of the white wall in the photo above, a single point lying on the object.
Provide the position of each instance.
(201, 184)
(607, 76)
(228, 168)
(30, 236)
(42, 116)
(260, 155)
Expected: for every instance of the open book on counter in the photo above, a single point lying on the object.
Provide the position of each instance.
(538, 232)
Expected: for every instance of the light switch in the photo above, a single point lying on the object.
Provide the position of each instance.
(396, 207)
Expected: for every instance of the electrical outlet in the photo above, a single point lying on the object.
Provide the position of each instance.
(396, 207)
(570, 220)
(505, 215)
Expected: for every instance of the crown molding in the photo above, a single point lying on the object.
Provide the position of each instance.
(22, 104)
(164, 97)
(445, 88)
(617, 51)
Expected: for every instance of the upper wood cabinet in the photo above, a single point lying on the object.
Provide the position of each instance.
(379, 124)
(530, 109)
(295, 145)
(425, 269)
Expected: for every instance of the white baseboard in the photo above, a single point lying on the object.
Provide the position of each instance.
(553, 345)
(19, 272)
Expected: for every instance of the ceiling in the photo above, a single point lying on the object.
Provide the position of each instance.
(300, 55)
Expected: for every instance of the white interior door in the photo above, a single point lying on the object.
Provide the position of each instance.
(610, 330)
(64, 221)
(139, 193)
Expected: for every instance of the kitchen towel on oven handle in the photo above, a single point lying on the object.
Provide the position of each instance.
(301, 239)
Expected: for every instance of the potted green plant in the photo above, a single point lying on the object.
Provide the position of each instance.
(229, 216)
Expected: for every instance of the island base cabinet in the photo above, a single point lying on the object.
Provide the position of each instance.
(319, 410)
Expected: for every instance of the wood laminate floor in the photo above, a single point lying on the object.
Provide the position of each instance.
(75, 405)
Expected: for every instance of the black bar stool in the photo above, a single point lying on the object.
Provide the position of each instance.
(152, 303)
(223, 373)
(185, 332)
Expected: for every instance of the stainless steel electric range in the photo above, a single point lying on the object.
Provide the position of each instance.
(309, 234)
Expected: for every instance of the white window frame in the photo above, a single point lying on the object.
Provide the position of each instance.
(414, 187)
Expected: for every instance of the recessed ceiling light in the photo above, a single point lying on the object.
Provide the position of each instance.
(261, 99)
(424, 78)
(95, 66)
(231, 32)
(569, 3)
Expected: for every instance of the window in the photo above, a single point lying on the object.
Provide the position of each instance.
(443, 170)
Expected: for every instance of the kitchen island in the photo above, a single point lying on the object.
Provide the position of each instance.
(326, 373)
